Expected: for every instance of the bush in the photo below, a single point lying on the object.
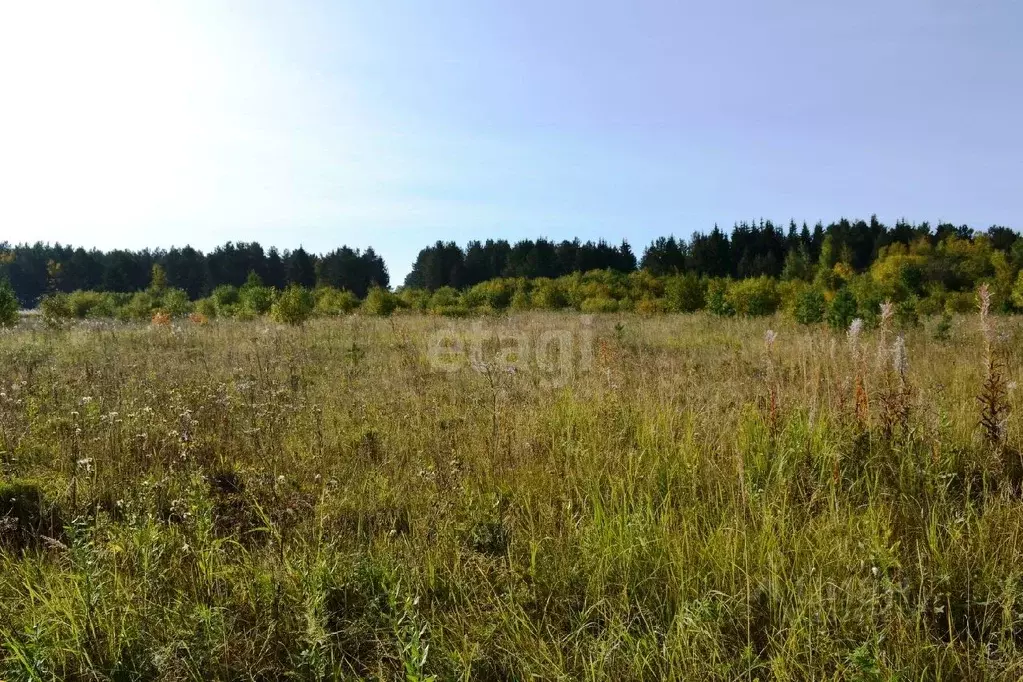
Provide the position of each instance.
(789, 291)
(906, 312)
(930, 305)
(717, 301)
(380, 301)
(495, 293)
(454, 310)
(549, 294)
(842, 310)
(293, 306)
(599, 305)
(445, 297)
(207, 307)
(8, 305)
(960, 302)
(55, 307)
(753, 297)
(810, 306)
(520, 299)
(685, 293)
(1017, 290)
(332, 302)
(139, 308)
(651, 306)
(256, 299)
(413, 299)
(225, 295)
(90, 304)
(175, 303)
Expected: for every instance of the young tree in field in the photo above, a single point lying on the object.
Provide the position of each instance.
(158, 279)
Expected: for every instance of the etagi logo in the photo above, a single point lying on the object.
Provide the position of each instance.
(556, 355)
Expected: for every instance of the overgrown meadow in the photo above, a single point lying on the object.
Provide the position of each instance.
(669, 497)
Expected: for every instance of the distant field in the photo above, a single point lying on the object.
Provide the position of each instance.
(616, 497)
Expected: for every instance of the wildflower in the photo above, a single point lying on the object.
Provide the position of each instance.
(86, 463)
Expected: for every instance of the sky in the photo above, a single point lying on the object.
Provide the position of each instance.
(145, 123)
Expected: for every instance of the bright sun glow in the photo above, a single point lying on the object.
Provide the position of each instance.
(100, 110)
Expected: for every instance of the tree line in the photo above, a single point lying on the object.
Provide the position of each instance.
(749, 250)
(35, 270)
(752, 249)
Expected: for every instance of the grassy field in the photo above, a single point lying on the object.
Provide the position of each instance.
(673, 497)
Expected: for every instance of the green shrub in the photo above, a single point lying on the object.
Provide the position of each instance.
(207, 307)
(753, 297)
(843, 310)
(810, 306)
(930, 305)
(455, 310)
(960, 302)
(139, 308)
(411, 298)
(906, 312)
(293, 306)
(380, 301)
(520, 299)
(1017, 290)
(549, 294)
(256, 299)
(717, 301)
(55, 307)
(332, 302)
(599, 304)
(8, 305)
(685, 293)
(91, 304)
(175, 303)
(225, 295)
(495, 293)
(651, 306)
(445, 297)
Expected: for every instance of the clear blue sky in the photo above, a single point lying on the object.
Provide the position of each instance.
(394, 124)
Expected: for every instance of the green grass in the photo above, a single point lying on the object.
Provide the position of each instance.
(246, 501)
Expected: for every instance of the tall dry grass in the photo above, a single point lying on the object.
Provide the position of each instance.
(242, 501)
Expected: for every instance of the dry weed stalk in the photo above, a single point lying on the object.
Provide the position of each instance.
(895, 396)
(994, 392)
(862, 404)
